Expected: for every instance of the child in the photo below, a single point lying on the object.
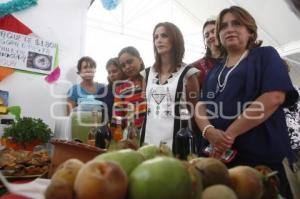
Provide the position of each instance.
(86, 68)
(115, 74)
(129, 94)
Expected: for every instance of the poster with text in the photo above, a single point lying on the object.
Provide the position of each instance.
(25, 52)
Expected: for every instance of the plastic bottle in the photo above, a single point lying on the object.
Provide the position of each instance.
(118, 131)
(91, 136)
(131, 132)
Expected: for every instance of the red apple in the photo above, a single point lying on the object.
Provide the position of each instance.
(270, 181)
(101, 179)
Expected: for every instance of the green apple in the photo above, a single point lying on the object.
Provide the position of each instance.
(160, 177)
(149, 151)
(128, 159)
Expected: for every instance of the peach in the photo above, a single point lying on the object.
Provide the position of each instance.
(213, 171)
(246, 182)
(63, 179)
(101, 179)
(218, 191)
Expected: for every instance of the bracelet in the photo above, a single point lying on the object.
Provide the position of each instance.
(205, 130)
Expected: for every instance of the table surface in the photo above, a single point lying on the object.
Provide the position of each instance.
(7, 195)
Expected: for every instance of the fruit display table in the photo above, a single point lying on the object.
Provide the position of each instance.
(12, 196)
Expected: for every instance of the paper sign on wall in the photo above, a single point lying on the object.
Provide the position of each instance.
(25, 52)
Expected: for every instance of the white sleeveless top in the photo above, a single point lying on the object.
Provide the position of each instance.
(161, 106)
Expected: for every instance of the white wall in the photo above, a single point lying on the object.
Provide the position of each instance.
(63, 22)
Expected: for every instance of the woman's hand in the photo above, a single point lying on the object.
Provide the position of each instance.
(219, 141)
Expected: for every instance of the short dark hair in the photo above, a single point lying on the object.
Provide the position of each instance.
(86, 59)
(177, 44)
(134, 52)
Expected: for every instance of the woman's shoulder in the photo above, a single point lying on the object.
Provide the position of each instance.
(266, 56)
(144, 73)
(198, 62)
(73, 91)
(74, 87)
(191, 70)
(264, 51)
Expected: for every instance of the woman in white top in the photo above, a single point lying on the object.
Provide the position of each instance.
(171, 86)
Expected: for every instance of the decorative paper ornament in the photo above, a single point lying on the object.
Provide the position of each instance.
(15, 5)
(4, 72)
(12, 24)
(53, 76)
(15, 110)
(110, 4)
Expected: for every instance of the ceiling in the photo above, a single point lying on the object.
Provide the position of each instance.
(278, 26)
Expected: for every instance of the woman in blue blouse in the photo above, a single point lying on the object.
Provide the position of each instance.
(243, 95)
(86, 68)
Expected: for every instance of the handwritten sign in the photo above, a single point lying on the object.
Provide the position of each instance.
(26, 52)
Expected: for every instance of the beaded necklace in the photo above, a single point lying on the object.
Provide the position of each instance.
(221, 86)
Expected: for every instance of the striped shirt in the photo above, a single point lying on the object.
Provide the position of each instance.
(129, 96)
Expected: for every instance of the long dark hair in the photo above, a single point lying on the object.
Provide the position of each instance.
(113, 61)
(134, 52)
(208, 53)
(177, 41)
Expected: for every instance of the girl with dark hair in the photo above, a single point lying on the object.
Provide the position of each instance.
(129, 96)
(114, 71)
(171, 86)
(115, 74)
(241, 107)
(213, 51)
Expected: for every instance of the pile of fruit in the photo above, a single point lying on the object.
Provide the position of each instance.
(152, 173)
